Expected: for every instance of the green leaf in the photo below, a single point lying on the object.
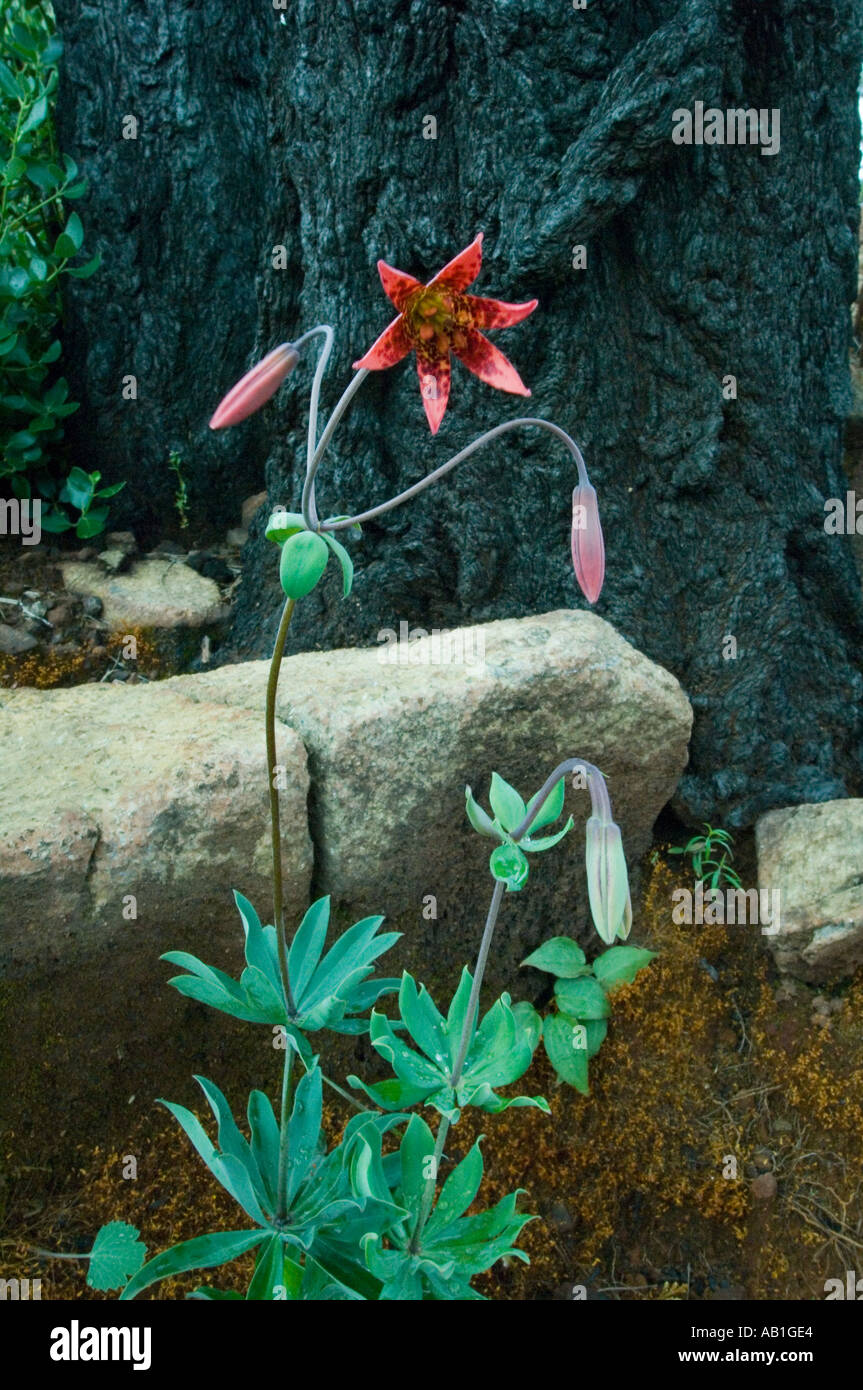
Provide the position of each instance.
(8, 85)
(528, 1022)
(506, 803)
(92, 524)
(508, 865)
(558, 956)
(457, 1193)
(117, 1254)
(479, 819)
(307, 945)
(79, 489)
(74, 231)
(551, 809)
(204, 1252)
(619, 965)
(584, 998)
(283, 524)
(35, 116)
(55, 521)
(562, 1041)
(344, 560)
(269, 1269)
(545, 841)
(304, 1128)
(303, 561)
(416, 1149)
(83, 272)
(422, 1020)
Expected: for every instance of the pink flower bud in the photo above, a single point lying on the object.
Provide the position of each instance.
(588, 546)
(256, 387)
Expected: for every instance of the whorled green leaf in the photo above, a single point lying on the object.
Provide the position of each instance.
(560, 956)
(619, 965)
(565, 1046)
(583, 998)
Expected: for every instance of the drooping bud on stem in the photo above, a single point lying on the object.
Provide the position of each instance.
(607, 877)
(588, 546)
(256, 387)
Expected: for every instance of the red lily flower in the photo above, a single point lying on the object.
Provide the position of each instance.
(439, 318)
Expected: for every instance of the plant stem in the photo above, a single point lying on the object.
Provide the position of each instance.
(308, 502)
(287, 1074)
(275, 826)
(458, 458)
(357, 1104)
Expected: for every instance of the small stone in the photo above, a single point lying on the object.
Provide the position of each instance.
(88, 553)
(122, 540)
(560, 1217)
(237, 537)
(250, 507)
(115, 560)
(31, 595)
(210, 566)
(92, 606)
(98, 652)
(821, 1005)
(763, 1188)
(59, 615)
(783, 1126)
(763, 1160)
(14, 642)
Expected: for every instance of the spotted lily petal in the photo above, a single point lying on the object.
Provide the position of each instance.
(463, 269)
(388, 349)
(397, 285)
(496, 313)
(434, 387)
(488, 363)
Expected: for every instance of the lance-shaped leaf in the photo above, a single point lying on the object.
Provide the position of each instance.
(499, 1053)
(452, 1247)
(331, 993)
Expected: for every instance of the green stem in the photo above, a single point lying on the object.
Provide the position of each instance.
(357, 1104)
(455, 1078)
(275, 825)
(282, 1194)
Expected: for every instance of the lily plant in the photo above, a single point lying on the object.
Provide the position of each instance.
(387, 1213)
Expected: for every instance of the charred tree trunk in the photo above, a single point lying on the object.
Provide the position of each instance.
(306, 129)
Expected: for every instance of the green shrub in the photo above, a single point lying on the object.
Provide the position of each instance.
(40, 242)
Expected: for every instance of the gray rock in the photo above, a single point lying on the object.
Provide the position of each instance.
(109, 794)
(14, 641)
(814, 856)
(154, 594)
